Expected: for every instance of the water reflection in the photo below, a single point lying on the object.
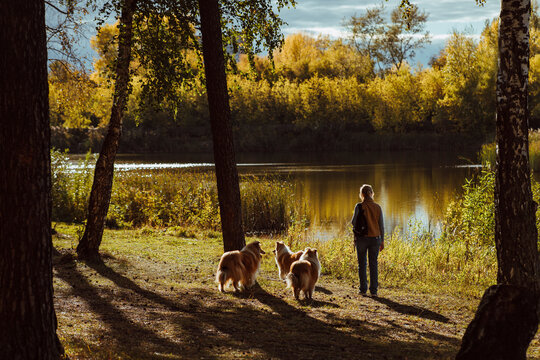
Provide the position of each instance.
(417, 192)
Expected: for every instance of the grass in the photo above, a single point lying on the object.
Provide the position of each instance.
(416, 261)
(154, 297)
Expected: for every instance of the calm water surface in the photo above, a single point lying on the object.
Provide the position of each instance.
(410, 186)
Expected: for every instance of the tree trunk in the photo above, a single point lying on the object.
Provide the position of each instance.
(220, 118)
(100, 196)
(507, 318)
(27, 316)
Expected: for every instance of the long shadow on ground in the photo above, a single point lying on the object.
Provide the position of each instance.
(412, 310)
(207, 324)
(138, 341)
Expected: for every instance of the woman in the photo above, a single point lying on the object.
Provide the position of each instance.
(368, 242)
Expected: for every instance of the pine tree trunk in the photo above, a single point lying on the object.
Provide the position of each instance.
(100, 195)
(507, 318)
(220, 118)
(27, 316)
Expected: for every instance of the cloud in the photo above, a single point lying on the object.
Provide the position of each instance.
(327, 17)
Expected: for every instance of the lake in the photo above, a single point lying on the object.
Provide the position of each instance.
(410, 186)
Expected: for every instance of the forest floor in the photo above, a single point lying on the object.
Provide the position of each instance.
(154, 297)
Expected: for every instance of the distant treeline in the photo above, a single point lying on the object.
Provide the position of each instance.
(258, 139)
(317, 94)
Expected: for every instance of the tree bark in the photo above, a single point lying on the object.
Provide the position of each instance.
(27, 316)
(220, 118)
(100, 195)
(507, 318)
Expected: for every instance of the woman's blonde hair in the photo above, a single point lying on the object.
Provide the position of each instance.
(366, 191)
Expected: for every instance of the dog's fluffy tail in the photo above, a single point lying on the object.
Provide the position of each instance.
(221, 277)
(292, 280)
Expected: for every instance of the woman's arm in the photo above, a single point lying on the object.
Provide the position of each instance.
(381, 229)
(353, 220)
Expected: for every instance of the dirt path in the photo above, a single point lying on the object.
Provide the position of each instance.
(143, 306)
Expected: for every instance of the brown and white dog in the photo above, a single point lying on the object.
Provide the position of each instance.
(239, 267)
(284, 258)
(304, 274)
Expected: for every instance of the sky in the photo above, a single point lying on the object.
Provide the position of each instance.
(326, 17)
(444, 16)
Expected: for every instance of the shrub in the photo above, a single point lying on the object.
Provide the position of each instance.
(71, 183)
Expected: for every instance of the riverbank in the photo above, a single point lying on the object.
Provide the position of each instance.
(260, 138)
(154, 297)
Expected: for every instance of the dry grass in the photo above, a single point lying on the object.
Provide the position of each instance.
(154, 297)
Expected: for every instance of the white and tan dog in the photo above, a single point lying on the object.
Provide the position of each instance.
(304, 274)
(239, 267)
(284, 258)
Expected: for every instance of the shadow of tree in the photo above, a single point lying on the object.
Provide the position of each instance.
(288, 332)
(207, 322)
(141, 342)
(412, 310)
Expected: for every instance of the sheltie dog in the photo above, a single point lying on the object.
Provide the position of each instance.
(239, 267)
(284, 258)
(304, 274)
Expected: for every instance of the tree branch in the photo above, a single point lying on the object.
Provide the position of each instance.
(57, 9)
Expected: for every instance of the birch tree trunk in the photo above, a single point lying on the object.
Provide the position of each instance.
(27, 316)
(100, 195)
(220, 118)
(507, 317)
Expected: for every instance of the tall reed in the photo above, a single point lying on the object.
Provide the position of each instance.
(186, 198)
(269, 204)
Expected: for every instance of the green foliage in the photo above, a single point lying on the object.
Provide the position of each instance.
(470, 219)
